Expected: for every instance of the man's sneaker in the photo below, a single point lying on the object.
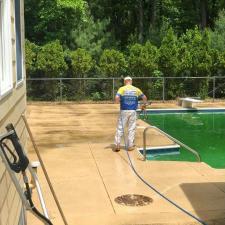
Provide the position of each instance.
(116, 148)
(131, 148)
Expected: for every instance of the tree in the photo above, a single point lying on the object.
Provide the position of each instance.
(112, 63)
(217, 45)
(194, 53)
(142, 59)
(48, 20)
(81, 62)
(153, 13)
(213, 9)
(50, 60)
(31, 51)
(168, 63)
(168, 54)
(92, 36)
(123, 17)
(134, 20)
(196, 60)
(218, 34)
(149, 38)
(141, 21)
(203, 13)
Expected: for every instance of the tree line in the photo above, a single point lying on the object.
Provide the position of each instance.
(104, 38)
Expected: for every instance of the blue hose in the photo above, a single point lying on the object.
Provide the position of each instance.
(153, 188)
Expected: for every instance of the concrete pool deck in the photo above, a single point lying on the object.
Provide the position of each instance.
(75, 142)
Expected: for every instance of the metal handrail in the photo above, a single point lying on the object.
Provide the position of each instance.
(172, 138)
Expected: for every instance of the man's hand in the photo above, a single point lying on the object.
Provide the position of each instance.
(143, 107)
(145, 102)
(117, 99)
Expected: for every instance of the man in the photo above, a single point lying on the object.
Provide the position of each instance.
(127, 96)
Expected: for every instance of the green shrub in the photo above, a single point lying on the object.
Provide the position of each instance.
(31, 51)
(81, 62)
(142, 59)
(50, 60)
(168, 54)
(112, 63)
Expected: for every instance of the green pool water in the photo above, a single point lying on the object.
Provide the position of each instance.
(204, 132)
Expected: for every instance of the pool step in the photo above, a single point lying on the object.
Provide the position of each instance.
(161, 150)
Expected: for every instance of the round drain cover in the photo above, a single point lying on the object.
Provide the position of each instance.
(133, 200)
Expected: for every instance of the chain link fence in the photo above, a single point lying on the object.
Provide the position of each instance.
(104, 89)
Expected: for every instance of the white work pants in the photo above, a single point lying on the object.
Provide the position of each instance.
(126, 117)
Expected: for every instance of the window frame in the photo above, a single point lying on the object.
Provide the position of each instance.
(18, 41)
(6, 81)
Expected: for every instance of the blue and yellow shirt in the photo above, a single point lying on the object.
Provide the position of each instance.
(129, 97)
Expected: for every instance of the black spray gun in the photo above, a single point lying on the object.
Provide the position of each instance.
(18, 163)
(12, 154)
(142, 111)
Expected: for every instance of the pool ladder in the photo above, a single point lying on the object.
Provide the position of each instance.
(170, 137)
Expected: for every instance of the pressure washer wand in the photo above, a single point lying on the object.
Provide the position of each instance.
(44, 170)
(18, 163)
(143, 109)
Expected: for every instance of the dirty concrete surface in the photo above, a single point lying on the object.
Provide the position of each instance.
(75, 142)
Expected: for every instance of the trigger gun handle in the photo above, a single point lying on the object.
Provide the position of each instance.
(20, 160)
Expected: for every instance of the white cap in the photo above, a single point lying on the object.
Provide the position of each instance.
(127, 78)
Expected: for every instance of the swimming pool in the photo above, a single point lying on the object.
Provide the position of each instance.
(203, 131)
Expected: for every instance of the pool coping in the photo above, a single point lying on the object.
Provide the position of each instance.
(205, 110)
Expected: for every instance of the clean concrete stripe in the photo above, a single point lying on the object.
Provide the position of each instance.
(102, 179)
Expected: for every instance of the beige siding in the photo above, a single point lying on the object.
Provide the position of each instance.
(11, 108)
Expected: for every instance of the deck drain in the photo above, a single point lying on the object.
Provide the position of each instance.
(133, 200)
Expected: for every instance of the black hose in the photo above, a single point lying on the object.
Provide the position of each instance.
(33, 208)
(153, 188)
(20, 164)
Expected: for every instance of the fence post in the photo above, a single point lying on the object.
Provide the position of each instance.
(214, 87)
(113, 86)
(61, 87)
(163, 89)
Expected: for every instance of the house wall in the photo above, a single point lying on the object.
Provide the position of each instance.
(12, 106)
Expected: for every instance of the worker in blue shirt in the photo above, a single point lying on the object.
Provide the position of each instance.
(127, 96)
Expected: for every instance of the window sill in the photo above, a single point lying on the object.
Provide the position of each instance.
(2, 96)
(19, 84)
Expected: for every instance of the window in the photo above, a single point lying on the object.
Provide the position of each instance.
(19, 53)
(5, 48)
